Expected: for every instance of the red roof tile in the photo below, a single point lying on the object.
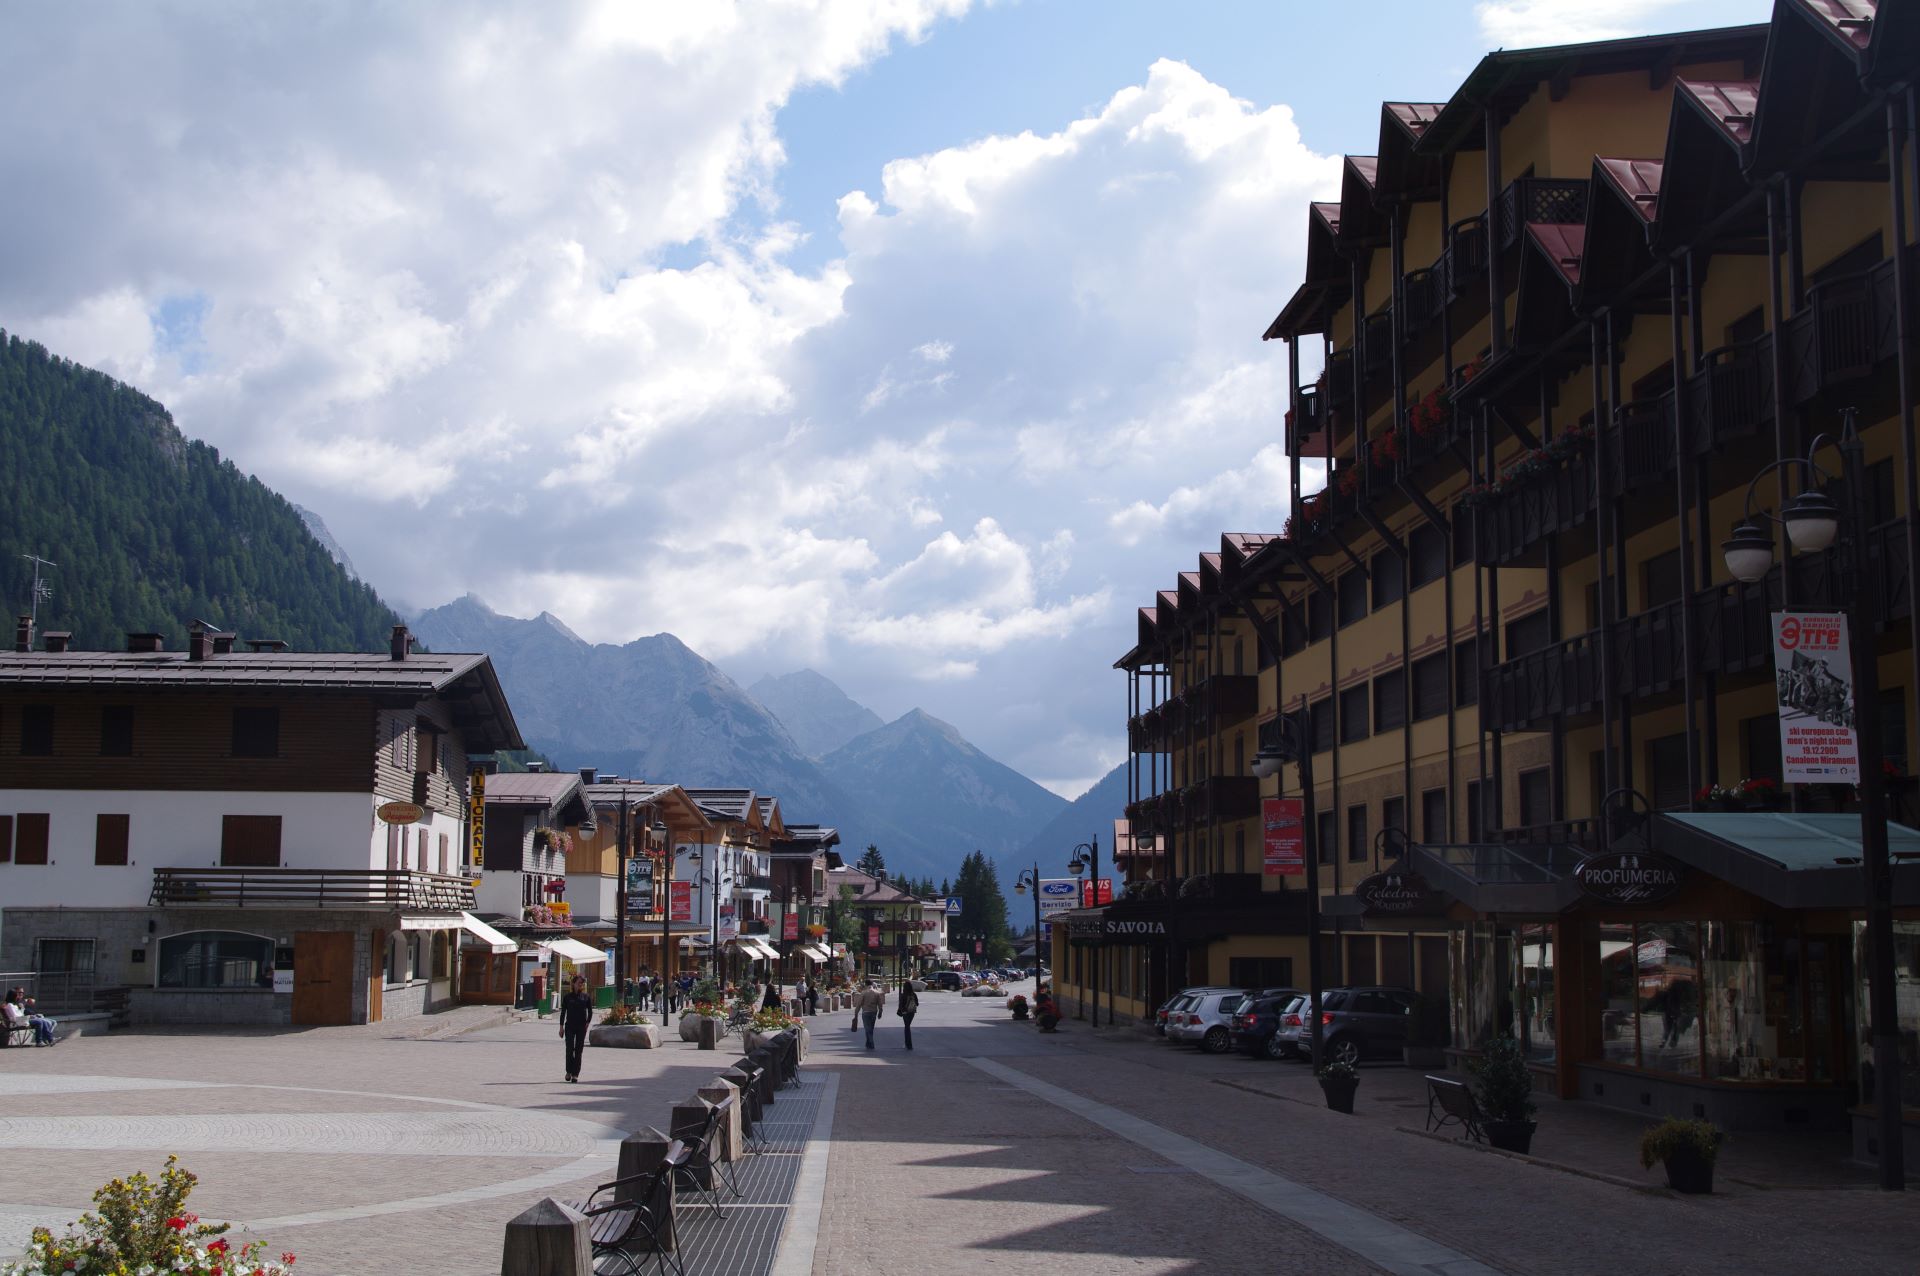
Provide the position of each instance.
(1851, 20)
(1414, 116)
(1368, 166)
(1638, 181)
(1563, 245)
(1728, 103)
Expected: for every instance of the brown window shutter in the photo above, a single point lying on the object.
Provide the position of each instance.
(6, 838)
(110, 839)
(30, 838)
(250, 841)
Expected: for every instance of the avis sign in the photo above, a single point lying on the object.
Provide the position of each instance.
(1813, 685)
(1628, 878)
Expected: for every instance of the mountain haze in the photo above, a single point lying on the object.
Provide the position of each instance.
(814, 710)
(1090, 815)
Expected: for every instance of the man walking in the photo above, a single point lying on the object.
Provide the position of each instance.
(576, 1013)
(906, 1008)
(873, 1003)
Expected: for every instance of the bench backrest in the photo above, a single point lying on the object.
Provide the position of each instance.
(1454, 1096)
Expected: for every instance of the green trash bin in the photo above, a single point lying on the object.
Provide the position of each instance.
(603, 997)
(546, 1004)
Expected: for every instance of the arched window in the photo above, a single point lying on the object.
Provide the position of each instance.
(216, 959)
(442, 954)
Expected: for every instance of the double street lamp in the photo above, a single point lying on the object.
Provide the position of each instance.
(1029, 880)
(1813, 523)
(1293, 742)
(1090, 898)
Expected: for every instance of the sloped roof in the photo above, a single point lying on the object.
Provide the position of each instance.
(1848, 23)
(1563, 245)
(1635, 181)
(732, 804)
(1728, 105)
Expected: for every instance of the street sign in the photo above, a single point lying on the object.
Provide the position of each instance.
(953, 905)
(1285, 843)
(1813, 685)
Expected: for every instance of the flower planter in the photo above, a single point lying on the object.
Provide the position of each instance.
(636, 1036)
(1339, 1092)
(1690, 1172)
(1510, 1136)
(689, 1026)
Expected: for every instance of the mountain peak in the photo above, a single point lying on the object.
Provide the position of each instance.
(919, 721)
(816, 713)
(548, 618)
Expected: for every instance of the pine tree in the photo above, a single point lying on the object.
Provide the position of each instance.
(871, 862)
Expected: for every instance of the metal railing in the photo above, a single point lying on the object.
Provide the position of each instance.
(310, 888)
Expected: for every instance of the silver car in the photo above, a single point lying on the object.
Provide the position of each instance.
(1294, 1036)
(1206, 1019)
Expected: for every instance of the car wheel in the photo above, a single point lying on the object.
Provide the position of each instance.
(1215, 1042)
(1276, 1048)
(1344, 1050)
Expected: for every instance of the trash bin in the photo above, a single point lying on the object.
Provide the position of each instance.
(603, 996)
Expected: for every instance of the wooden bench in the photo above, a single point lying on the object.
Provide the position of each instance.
(616, 1225)
(1451, 1102)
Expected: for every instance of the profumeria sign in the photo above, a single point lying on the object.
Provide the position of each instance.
(1629, 878)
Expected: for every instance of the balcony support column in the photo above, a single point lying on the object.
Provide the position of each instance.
(1619, 539)
(1358, 366)
(1556, 609)
(1782, 413)
(1603, 595)
(1675, 301)
(1496, 295)
(1492, 790)
(1702, 501)
(1904, 302)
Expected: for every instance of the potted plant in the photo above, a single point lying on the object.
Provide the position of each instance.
(1426, 1034)
(1017, 1004)
(1505, 1094)
(1687, 1149)
(625, 1027)
(1338, 1080)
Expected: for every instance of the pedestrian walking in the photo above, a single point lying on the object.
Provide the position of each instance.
(813, 998)
(576, 1013)
(907, 1007)
(873, 1004)
(770, 1000)
(643, 988)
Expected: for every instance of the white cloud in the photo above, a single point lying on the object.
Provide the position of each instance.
(1525, 24)
(1253, 497)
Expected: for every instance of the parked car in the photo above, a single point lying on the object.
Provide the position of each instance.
(1160, 1016)
(1366, 1022)
(1257, 1021)
(1292, 1034)
(946, 981)
(1206, 1020)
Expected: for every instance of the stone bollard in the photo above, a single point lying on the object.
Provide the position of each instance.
(709, 1033)
(641, 1153)
(749, 1098)
(769, 1065)
(686, 1122)
(547, 1239)
(728, 1145)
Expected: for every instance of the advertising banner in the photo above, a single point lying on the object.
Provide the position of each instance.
(639, 887)
(790, 926)
(873, 937)
(729, 923)
(680, 895)
(477, 819)
(1094, 893)
(1285, 836)
(1813, 684)
(1057, 895)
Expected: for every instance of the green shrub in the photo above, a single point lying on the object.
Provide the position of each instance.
(1675, 1135)
(1505, 1087)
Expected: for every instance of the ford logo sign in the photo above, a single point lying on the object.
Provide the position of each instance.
(1056, 888)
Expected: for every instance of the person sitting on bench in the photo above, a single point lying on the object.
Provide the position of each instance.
(20, 1008)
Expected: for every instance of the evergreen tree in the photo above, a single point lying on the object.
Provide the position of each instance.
(871, 862)
(983, 909)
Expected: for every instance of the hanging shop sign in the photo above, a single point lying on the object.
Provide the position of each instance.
(400, 813)
(1096, 892)
(729, 923)
(680, 901)
(477, 819)
(873, 937)
(1396, 895)
(1284, 829)
(790, 926)
(1625, 877)
(1813, 685)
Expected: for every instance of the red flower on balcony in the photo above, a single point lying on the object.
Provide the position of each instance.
(1385, 449)
(1350, 480)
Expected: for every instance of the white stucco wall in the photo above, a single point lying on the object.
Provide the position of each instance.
(168, 829)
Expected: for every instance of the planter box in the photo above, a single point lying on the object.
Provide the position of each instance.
(640, 1036)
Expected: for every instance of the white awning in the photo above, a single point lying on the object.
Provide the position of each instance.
(817, 952)
(436, 921)
(576, 952)
(756, 947)
(486, 934)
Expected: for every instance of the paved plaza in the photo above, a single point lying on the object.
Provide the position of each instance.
(377, 1149)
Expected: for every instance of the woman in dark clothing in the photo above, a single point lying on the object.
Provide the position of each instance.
(576, 1013)
(771, 999)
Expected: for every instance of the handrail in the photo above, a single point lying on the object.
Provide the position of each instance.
(316, 888)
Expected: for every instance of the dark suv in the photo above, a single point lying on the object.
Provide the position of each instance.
(1366, 1022)
(1255, 1022)
(946, 979)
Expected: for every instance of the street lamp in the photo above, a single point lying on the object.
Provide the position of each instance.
(709, 881)
(1812, 520)
(1091, 867)
(1030, 877)
(1293, 742)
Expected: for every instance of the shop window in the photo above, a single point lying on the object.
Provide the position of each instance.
(1660, 580)
(1430, 686)
(1529, 634)
(1357, 833)
(1752, 998)
(1433, 817)
(36, 731)
(1325, 833)
(250, 841)
(32, 831)
(1433, 967)
(1352, 596)
(1466, 672)
(1760, 746)
(1619, 995)
(1396, 961)
(398, 953)
(1386, 583)
(63, 957)
(1260, 972)
(256, 733)
(110, 840)
(1319, 615)
(442, 955)
(1320, 723)
(1353, 714)
(1536, 797)
(216, 959)
(1667, 772)
(1426, 554)
(1667, 955)
(116, 731)
(1533, 989)
(1390, 701)
(1906, 992)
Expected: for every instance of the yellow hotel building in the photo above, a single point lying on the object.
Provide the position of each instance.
(1548, 336)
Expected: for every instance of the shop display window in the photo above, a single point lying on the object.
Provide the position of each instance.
(1667, 996)
(1619, 1001)
(1906, 992)
(1531, 947)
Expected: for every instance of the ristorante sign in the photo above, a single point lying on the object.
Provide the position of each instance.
(1624, 877)
(1396, 895)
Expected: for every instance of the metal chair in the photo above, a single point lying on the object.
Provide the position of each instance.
(613, 1225)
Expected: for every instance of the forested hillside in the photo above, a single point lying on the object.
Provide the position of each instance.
(152, 530)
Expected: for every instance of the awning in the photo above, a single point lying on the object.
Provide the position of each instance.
(756, 947)
(436, 921)
(1793, 859)
(817, 952)
(576, 952)
(486, 934)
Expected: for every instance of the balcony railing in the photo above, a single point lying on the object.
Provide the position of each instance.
(1540, 199)
(1339, 380)
(1584, 834)
(1221, 798)
(1847, 327)
(1525, 515)
(1306, 420)
(753, 883)
(1424, 299)
(1224, 698)
(1641, 444)
(1377, 334)
(310, 888)
(1464, 263)
(1731, 397)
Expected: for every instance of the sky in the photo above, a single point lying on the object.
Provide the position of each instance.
(913, 341)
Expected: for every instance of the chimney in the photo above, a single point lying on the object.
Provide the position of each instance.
(400, 643)
(258, 645)
(589, 775)
(536, 767)
(199, 643)
(222, 643)
(23, 634)
(142, 643)
(58, 640)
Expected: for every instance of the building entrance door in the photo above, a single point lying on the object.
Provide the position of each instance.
(376, 973)
(322, 977)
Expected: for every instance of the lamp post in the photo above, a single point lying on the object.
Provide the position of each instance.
(1294, 743)
(1030, 879)
(621, 853)
(1091, 867)
(1812, 520)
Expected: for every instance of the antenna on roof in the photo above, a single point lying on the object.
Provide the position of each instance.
(42, 589)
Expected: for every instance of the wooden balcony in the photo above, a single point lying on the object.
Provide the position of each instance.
(1539, 199)
(1847, 328)
(1424, 297)
(1377, 338)
(1519, 521)
(1464, 263)
(1339, 380)
(1731, 397)
(1221, 798)
(1223, 699)
(1641, 446)
(370, 889)
(1307, 422)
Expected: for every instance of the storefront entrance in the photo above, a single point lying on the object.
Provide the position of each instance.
(323, 977)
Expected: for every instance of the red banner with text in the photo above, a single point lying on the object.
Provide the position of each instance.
(1285, 844)
(790, 926)
(873, 937)
(680, 895)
